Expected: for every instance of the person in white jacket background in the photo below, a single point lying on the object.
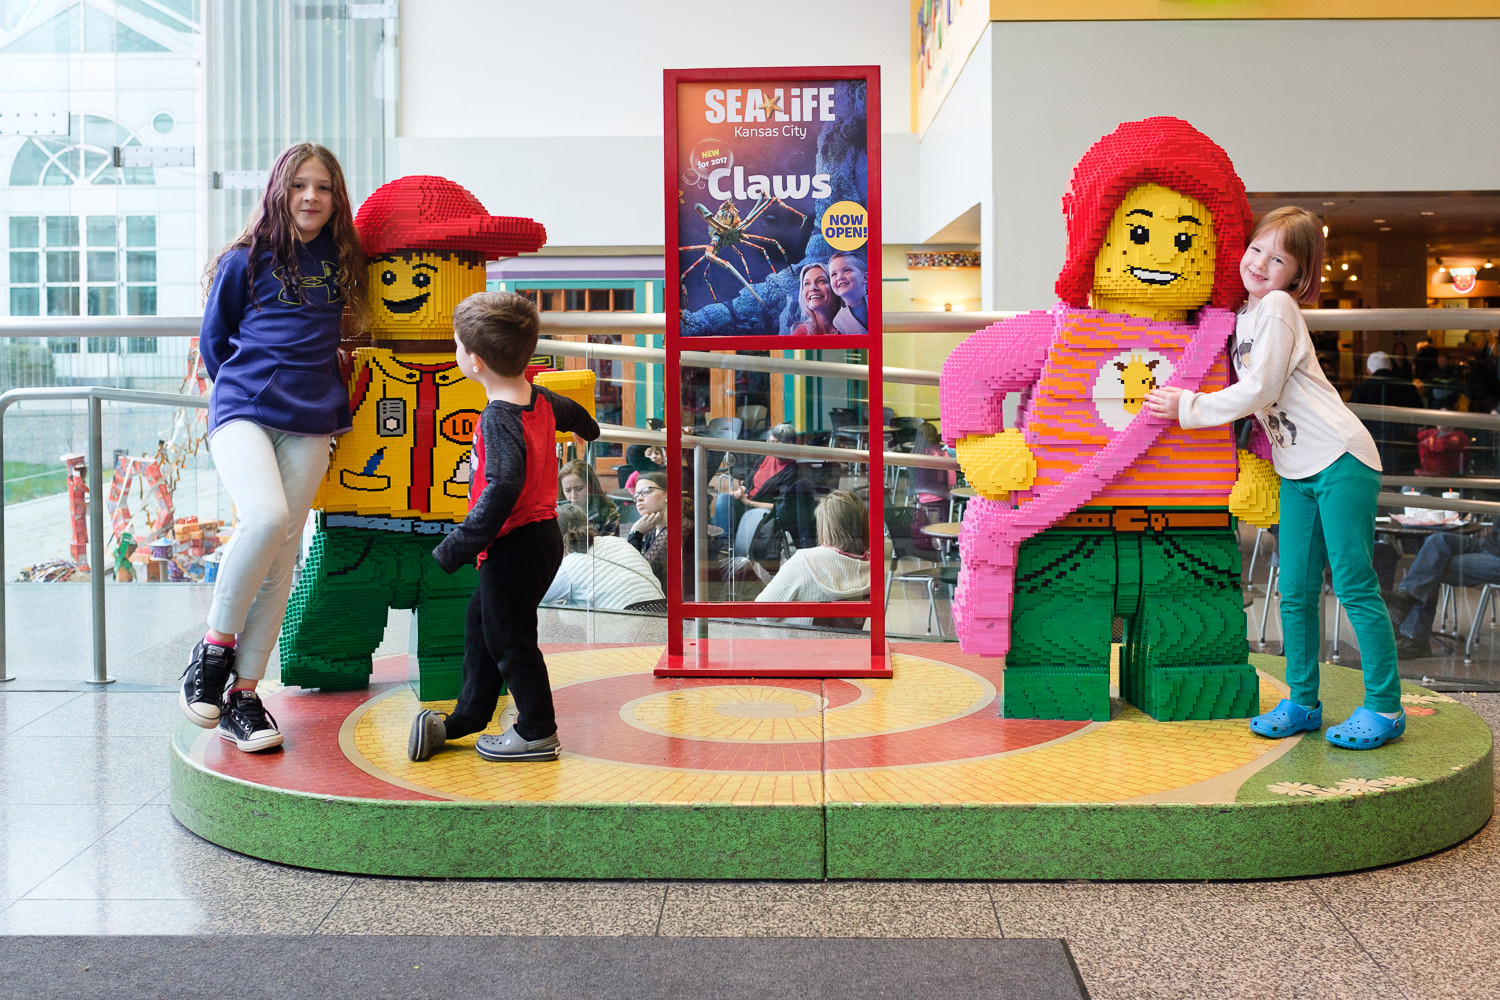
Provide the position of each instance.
(601, 572)
(837, 569)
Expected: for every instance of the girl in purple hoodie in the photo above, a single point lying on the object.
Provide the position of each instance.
(281, 295)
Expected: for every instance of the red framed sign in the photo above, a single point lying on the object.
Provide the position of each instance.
(772, 184)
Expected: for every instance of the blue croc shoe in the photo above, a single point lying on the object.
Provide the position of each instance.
(1366, 730)
(1287, 719)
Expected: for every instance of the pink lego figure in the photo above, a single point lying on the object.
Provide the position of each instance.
(1090, 509)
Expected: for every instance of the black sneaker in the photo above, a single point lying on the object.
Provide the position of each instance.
(246, 723)
(208, 673)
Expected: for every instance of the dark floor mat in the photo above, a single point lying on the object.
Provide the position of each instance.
(521, 968)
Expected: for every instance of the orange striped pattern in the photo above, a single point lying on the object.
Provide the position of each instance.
(1183, 467)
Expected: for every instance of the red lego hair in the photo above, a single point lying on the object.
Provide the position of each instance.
(1165, 151)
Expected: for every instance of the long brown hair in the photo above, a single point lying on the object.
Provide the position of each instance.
(271, 229)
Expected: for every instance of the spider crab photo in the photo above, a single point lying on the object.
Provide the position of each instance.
(729, 231)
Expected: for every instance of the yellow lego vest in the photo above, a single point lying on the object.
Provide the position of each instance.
(409, 454)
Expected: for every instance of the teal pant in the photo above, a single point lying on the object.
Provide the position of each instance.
(1330, 517)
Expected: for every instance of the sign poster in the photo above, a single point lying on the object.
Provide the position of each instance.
(776, 227)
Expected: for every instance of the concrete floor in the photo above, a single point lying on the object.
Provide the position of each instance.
(88, 845)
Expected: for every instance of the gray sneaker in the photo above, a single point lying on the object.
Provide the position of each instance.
(428, 734)
(510, 746)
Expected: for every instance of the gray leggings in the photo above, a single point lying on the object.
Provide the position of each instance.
(272, 477)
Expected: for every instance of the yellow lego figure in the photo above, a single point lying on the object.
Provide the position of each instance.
(1091, 509)
(399, 481)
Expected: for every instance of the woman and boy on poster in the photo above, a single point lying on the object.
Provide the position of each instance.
(832, 297)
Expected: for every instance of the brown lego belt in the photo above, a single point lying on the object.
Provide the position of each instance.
(1144, 519)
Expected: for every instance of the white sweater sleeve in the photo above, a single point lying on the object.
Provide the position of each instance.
(1267, 366)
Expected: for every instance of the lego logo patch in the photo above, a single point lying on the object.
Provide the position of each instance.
(1122, 383)
(459, 425)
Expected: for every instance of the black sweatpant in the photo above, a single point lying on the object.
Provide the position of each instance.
(500, 638)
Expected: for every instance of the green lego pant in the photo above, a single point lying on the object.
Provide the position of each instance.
(338, 610)
(1185, 653)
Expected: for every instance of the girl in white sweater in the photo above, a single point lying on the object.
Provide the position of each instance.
(1330, 474)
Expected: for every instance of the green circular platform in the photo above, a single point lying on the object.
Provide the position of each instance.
(935, 796)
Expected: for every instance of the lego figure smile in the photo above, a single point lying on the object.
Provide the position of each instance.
(1158, 255)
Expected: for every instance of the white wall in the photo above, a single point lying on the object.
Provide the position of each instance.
(1299, 106)
(555, 112)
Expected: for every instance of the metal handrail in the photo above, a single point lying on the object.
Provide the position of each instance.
(95, 452)
(580, 323)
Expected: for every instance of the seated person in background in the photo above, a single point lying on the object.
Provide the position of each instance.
(649, 536)
(580, 486)
(655, 455)
(1442, 451)
(770, 479)
(638, 460)
(836, 569)
(1396, 442)
(1445, 557)
(603, 572)
(932, 487)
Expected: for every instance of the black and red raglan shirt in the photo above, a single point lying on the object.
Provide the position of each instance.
(513, 471)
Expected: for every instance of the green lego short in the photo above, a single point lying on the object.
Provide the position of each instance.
(337, 613)
(1185, 655)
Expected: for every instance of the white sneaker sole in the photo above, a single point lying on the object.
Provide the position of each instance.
(252, 745)
(191, 710)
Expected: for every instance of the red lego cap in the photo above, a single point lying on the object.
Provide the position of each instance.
(433, 213)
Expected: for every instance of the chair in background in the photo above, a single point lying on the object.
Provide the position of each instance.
(898, 526)
(727, 428)
(744, 537)
(756, 420)
(903, 437)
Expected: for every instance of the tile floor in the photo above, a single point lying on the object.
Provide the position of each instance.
(88, 845)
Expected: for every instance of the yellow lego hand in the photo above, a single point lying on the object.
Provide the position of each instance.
(996, 464)
(1256, 496)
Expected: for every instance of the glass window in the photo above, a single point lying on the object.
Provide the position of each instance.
(102, 266)
(62, 301)
(624, 300)
(62, 265)
(104, 301)
(599, 300)
(62, 345)
(140, 345)
(140, 300)
(62, 231)
(574, 300)
(549, 300)
(104, 345)
(140, 230)
(25, 301)
(25, 231)
(25, 269)
(140, 265)
(529, 293)
(101, 230)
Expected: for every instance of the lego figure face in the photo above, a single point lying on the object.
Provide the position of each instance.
(413, 294)
(1158, 255)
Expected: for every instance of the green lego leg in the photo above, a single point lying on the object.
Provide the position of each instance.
(440, 630)
(337, 613)
(1058, 664)
(1186, 656)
